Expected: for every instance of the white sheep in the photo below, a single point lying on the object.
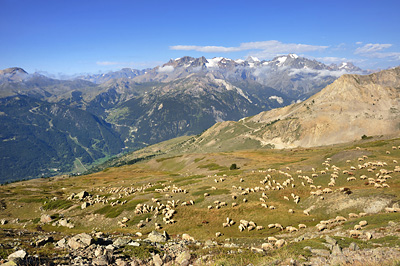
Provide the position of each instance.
(363, 223)
(354, 233)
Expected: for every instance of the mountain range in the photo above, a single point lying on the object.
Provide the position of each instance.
(70, 124)
(353, 107)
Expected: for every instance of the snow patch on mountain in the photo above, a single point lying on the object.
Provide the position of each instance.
(281, 60)
(229, 87)
(213, 63)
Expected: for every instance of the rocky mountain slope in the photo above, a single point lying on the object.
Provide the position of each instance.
(188, 106)
(350, 108)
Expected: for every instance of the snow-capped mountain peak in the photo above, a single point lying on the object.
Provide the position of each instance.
(252, 59)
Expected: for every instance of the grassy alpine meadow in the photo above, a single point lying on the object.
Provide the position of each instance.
(281, 194)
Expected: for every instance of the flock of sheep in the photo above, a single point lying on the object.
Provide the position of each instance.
(165, 209)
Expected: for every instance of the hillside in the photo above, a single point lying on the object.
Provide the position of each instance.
(351, 107)
(329, 205)
(43, 139)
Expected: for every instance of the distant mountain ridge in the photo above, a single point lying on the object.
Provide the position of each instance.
(295, 76)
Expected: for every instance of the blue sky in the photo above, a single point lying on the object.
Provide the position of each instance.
(92, 36)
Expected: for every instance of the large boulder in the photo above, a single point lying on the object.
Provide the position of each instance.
(121, 241)
(81, 195)
(183, 259)
(63, 243)
(80, 241)
(155, 236)
(157, 261)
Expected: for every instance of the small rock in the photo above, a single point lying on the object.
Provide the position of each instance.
(85, 205)
(338, 259)
(121, 262)
(320, 252)
(121, 241)
(134, 244)
(110, 247)
(353, 247)
(157, 261)
(82, 195)
(62, 243)
(330, 240)
(9, 263)
(391, 223)
(18, 255)
(336, 250)
(45, 218)
(64, 222)
(99, 251)
(208, 243)
(101, 260)
(183, 258)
